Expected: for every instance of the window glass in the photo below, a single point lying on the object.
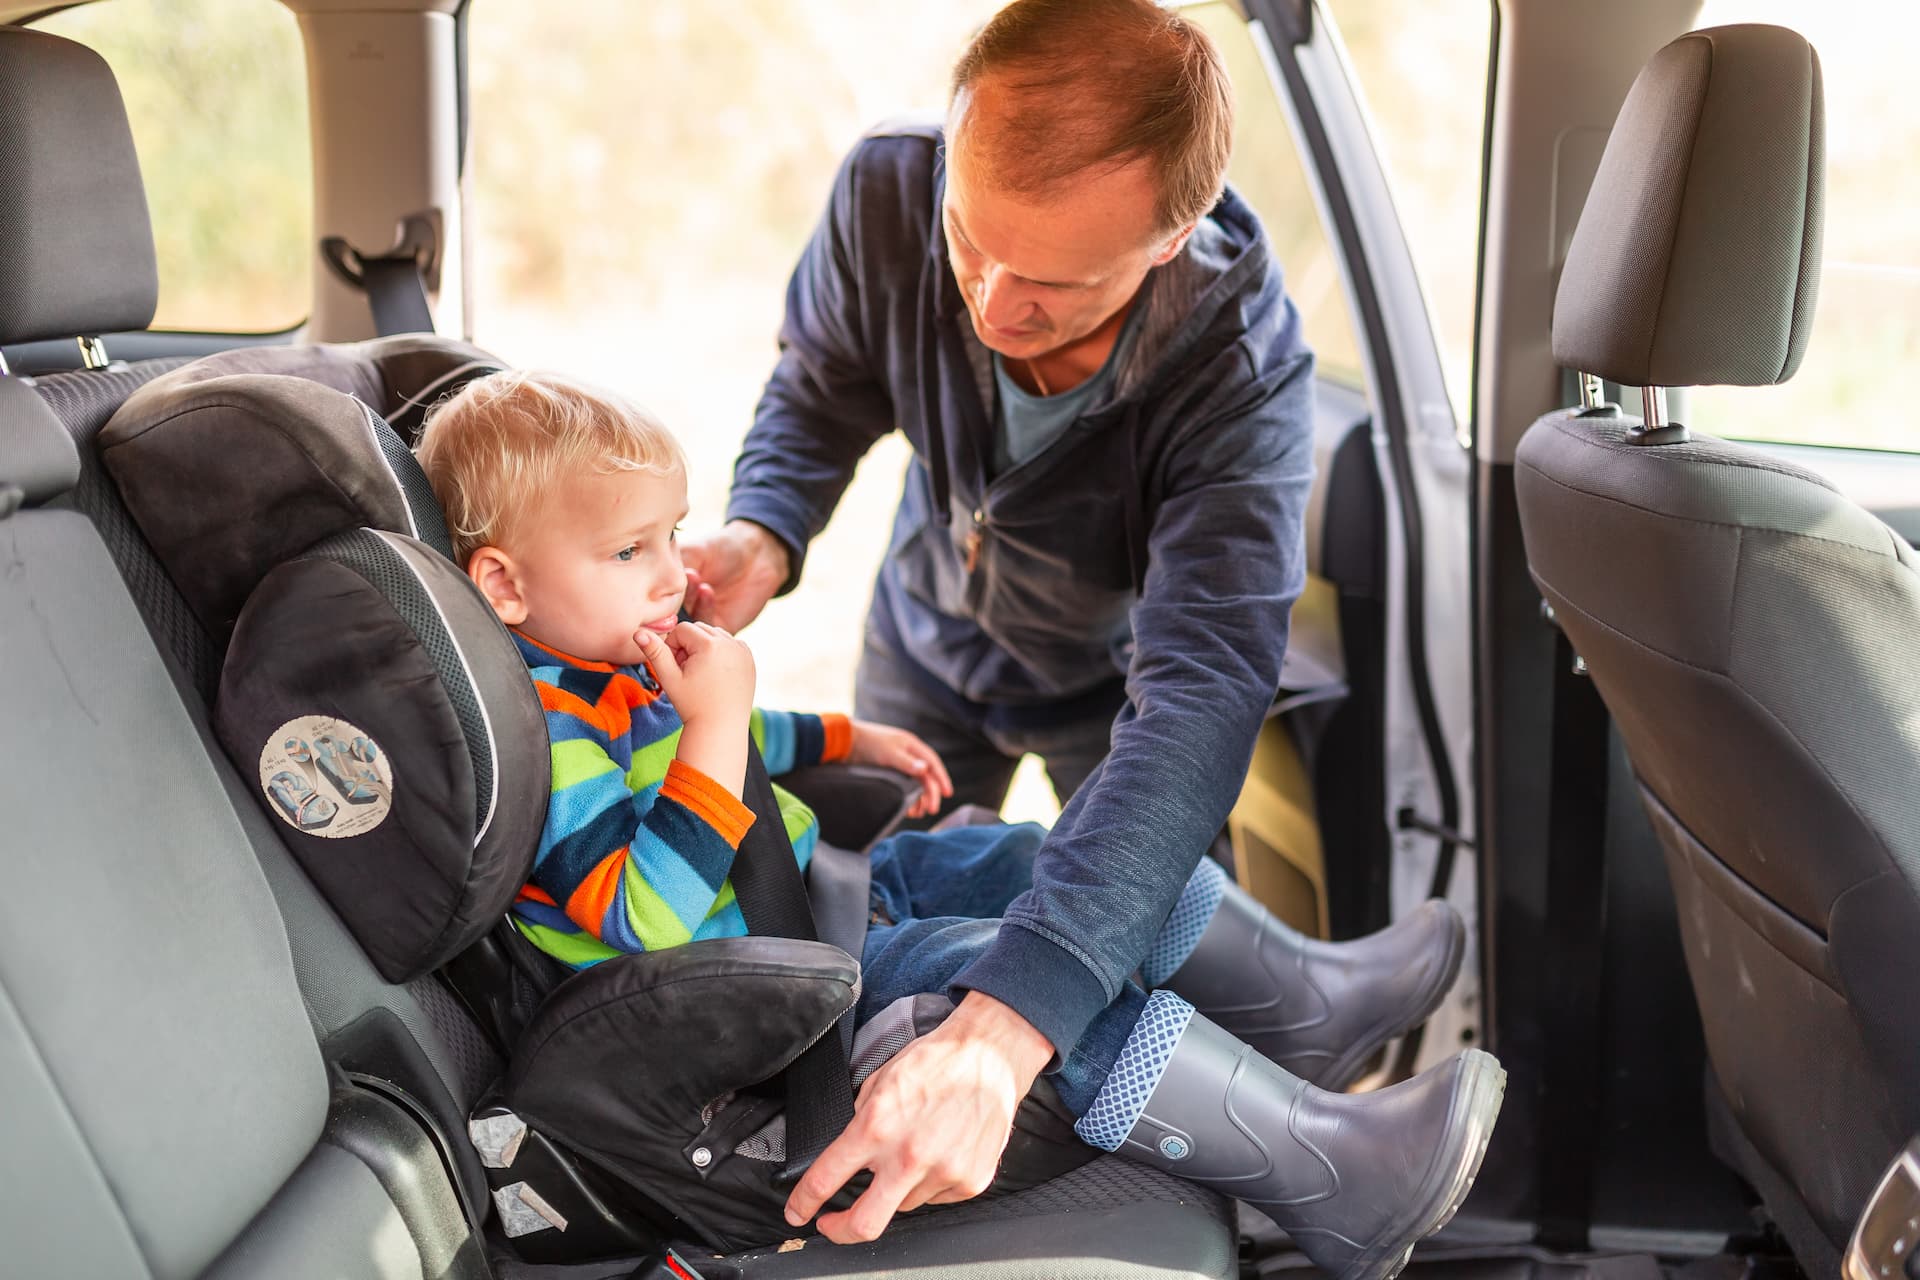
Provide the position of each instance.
(1853, 389)
(1421, 68)
(1266, 169)
(216, 93)
(644, 177)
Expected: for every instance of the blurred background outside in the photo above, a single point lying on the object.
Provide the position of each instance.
(642, 177)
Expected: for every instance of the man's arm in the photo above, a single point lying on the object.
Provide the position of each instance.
(821, 411)
(1226, 560)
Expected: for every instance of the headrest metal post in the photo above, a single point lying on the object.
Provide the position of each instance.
(93, 352)
(5, 372)
(1593, 391)
(1654, 427)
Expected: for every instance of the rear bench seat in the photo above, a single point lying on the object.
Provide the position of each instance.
(166, 1108)
(163, 1109)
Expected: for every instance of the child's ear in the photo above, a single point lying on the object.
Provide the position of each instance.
(494, 572)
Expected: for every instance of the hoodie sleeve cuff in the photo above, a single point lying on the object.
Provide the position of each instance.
(1039, 980)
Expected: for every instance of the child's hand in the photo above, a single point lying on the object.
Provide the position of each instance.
(897, 749)
(706, 672)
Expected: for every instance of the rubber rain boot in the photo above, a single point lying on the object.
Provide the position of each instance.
(1354, 1179)
(1319, 1009)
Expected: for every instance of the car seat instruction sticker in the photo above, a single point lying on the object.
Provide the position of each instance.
(326, 778)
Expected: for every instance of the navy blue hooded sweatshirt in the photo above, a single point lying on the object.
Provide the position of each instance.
(1159, 540)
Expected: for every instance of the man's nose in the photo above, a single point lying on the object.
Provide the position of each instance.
(1002, 299)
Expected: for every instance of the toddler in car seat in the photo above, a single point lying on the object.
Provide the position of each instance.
(563, 501)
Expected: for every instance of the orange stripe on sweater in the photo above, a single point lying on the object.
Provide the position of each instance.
(839, 731)
(554, 698)
(590, 901)
(534, 893)
(709, 800)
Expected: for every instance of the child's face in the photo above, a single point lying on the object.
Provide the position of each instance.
(599, 561)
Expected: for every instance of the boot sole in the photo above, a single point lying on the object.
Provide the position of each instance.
(1470, 1117)
(1345, 1069)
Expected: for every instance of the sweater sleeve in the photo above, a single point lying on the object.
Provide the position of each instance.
(637, 869)
(790, 740)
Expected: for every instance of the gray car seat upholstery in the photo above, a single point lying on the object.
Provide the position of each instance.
(1750, 630)
(202, 1071)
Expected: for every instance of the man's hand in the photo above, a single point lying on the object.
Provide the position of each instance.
(893, 748)
(733, 573)
(930, 1124)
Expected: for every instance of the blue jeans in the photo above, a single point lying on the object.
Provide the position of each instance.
(945, 892)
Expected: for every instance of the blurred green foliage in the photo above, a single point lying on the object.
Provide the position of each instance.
(216, 92)
(664, 155)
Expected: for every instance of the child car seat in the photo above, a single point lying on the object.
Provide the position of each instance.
(394, 731)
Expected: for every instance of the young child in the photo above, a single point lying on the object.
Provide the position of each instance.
(563, 502)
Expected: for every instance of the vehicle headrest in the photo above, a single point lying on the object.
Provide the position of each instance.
(1696, 261)
(237, 462)
(76, 246)
(37, 454)
(367, 687)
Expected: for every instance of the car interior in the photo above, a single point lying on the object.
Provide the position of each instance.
(1636, 694)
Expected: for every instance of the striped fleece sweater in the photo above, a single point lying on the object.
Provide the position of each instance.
(637, 845)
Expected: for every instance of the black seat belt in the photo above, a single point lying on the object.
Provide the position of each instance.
(773, 901)
(1576, 921)
(396, 282)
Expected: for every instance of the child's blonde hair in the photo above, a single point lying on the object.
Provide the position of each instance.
(494, 451)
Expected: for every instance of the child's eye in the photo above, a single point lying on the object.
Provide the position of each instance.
(627, 553)
(675, 535)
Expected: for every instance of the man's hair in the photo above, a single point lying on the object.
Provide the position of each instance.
(1099, 84)
(494, 451)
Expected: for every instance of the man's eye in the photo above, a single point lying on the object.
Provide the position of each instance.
(627, 553)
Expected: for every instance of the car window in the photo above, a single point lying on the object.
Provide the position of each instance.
(1853, 388)
(216, 92)
(1421, 68)
(1267, 171)
(643, 177)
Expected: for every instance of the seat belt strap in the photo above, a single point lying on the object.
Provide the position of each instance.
(840, 887)
(773, 901)
(398, 282)
(397, 295)
(1576, 910)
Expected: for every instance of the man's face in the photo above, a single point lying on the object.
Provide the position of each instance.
(599, 561)
(1041, 273)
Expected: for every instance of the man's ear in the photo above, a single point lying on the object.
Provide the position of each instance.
(1171, 250)
(498, 578)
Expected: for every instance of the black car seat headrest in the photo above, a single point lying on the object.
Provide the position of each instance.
(1696, 261)
(367, 687)
(76, 245)
(38, 460)
(234, 463)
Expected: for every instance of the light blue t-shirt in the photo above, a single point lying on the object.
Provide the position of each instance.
(1025, 424)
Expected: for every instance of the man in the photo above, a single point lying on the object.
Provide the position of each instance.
(1086, 341)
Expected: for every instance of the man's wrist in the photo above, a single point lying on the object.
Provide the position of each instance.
(981, 1017)
(767, 551)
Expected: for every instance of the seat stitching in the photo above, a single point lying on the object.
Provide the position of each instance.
(1695, 520)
